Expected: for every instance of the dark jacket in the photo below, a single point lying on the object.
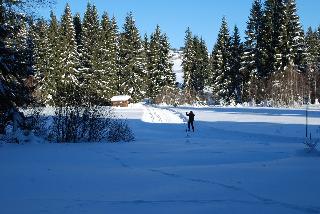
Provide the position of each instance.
(191, 116)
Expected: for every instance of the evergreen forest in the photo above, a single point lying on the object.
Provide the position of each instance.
(85, 59)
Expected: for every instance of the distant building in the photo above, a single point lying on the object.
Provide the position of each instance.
(121, 101)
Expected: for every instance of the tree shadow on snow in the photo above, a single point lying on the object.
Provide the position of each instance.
(260, 132)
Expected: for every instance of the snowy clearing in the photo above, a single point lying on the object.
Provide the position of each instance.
(239, 160)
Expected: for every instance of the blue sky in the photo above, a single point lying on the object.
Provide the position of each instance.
(174, 16)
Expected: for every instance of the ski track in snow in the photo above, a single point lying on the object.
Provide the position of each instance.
(263, 200)
(258, 199)
(158, 115)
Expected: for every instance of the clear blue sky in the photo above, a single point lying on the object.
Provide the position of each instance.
(174, 16)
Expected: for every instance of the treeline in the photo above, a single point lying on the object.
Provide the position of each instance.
(277, 64)
(78, 61)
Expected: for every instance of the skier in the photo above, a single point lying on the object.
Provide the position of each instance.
(191, 119)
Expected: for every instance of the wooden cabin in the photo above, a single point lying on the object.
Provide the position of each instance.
(121, 101)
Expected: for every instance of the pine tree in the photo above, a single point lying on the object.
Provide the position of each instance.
(90, 57)
(169, 78)
(114, 46)
(48, 84)
(108, 57)
(195, 65)
(274, 36)
(163, 89)
(295, 50)
(187, 61)
(19, 41)
(147, 53)
(160, 68)
(312, 43)
(318, 45)
(39, 35)
(253, 57)
(15, 56)
(149, 66)
(155, 72)
(67, 85)
(220, 65)
(199, 65)
(132, 61)
(313, 62)
(78, 31)
(13, 90)
(235, 61)
(146, 45)
(204, 62)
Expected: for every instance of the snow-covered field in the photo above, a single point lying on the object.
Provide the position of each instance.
(239, 160)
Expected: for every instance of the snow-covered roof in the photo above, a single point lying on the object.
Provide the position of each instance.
(120, 98)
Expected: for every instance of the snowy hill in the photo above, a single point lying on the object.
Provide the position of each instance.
(176, 59)
(243, 160)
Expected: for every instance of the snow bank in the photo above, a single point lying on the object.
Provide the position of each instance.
(157, 115)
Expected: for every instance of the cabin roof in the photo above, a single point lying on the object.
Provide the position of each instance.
(120, 98)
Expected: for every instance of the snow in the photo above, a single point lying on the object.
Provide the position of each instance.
(176, 60)
(120, 98)
(239, 160)
(156, 115)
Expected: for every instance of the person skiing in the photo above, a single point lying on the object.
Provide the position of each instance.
(190, 120)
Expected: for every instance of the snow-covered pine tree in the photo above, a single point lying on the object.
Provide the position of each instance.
(295, 49)
(146, 48)
(280, 36)
(13, 90)
(68, 87)
(220, 65)
(41, 56)
(160, 68)
(149, 66)
(91, 73)
(252, 59)
(235, 62)
(274, 36)
(114, 52)
(187, 61)
(169, 91)
(108, 57)
(283, 83)
(14, 56)
(195, 64)
(47, 87)
(132, 73)
(19, 41)
(317, 89)
(78, 30)
(312, 41)
(147, 54)
(318, 44)
(155, 73)
(200, 62)
(169, 78)
(284, 46)
(204, 61)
